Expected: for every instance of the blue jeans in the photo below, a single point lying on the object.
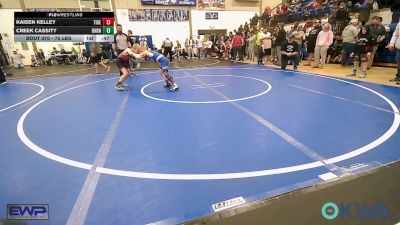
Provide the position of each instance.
(348, 48)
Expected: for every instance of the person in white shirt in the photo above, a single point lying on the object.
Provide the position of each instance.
(266, 44)
(16, 60)
(200, 47)
(395, 44)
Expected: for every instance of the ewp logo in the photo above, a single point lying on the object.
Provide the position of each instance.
(355, 210)
(28, 212)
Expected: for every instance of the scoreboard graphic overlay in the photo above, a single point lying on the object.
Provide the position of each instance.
(64, 26)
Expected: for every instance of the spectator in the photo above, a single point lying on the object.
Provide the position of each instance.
(284, 9)
(33, 61)
(2, 76)
(365, 10)
(246, 27)
(395, 8)
(259, 37)
(55, 51)
(237, 43)
(316, 4)
(324, 40)
(362, 52)
(324, 20)
(107, 48)
(254, 20)
(298, 35)
(200, 47)
(377, 33)
(252, 46)
(132, 40)
(240, 29)
(290, 51)
(228, 49)
(95, 57)
(349, 35)
(40, 57)
(178, 50)
(278, 13)
(74, 54)
(312, 40)
(273, 46)
(189, 46)
(395, 43)
(220, 49)
(266, 45)
(342, 18)
(16, 60)
(208, 47)
(168, 45)
(280, 39)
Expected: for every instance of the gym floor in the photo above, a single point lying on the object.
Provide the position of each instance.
(147, 155)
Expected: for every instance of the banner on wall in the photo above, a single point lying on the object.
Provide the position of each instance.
(169, 2)
(211, 15)
(211, 5)
(158, 15)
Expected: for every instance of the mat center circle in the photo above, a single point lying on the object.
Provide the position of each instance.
(198, 89)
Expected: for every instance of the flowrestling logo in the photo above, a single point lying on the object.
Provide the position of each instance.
(355, 210)
(27, 211)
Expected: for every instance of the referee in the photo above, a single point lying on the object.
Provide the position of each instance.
(167, 45)
(121, 41)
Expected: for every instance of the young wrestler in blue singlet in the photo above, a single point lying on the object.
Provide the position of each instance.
(163, 62)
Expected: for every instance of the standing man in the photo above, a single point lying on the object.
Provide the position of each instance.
(200, 47)
(395, 43)
(237, 43)
(377, 33)
(349, 35)
(312, 40)
(299, 37)
(167, 45)
(280, 39)
(260, 35)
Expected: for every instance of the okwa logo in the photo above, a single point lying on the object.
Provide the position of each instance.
(355, 210)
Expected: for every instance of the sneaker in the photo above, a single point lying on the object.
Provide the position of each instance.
(295, 69)
(167, 85)
(119, 87)
(137, 66)
(108, 69)
(353, 74)
(307, 64)
(321, 67)
(395, 79)
(174, 87)
(124, 85)
(363, 74)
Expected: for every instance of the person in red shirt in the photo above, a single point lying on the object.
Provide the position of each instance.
(237, 43)
(284, 9)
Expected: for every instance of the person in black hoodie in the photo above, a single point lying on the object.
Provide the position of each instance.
(312, 40)
(362, 52)
(395, 8)
(342, 18)
(280, 39)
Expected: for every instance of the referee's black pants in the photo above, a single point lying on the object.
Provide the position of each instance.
(168, 50)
